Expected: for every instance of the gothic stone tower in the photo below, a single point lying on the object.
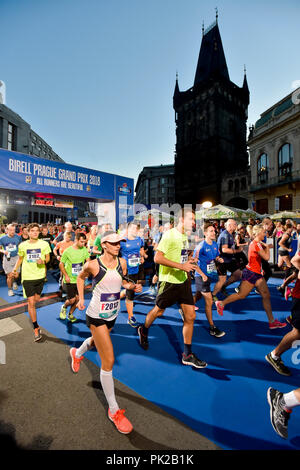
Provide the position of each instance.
(210, 126)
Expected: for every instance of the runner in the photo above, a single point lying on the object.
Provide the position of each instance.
(132, 249)
(285, 246)
(34, 254)
(60, 236)
(97, 247)
(274, 357)
(226, 244)
(107, 272)
(174, 285)
(207, 252)
(253, 276)
(9, 247)
(71, 263)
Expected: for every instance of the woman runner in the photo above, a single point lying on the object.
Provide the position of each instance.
(108, 272)
(253, 276)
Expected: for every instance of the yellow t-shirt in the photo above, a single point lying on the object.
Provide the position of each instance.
(174, 246)
(31, 252)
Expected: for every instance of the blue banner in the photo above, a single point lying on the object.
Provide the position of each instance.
(27, 173)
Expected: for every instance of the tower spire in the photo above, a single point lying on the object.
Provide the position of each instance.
(217, 14)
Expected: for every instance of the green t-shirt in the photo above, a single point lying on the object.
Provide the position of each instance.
(73, 260)
(97, 244)
(31, 252)
(174, 246)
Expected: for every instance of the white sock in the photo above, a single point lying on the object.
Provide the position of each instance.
(290, 400)
(86, 345)
(274, 356)
(107, 383)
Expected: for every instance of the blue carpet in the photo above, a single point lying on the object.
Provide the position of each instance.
(226, 402)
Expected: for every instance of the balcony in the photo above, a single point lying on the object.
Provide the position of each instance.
(284, 178)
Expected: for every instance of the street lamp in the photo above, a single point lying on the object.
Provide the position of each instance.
(206, 204)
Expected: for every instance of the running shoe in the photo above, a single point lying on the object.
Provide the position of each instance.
(237, 290)
(276, 324)
(181, 313)
(132, 322)
(278, 365)
(37, 334)
(214, 331)
(75, 365)
(143, 338)
(71, 318)
(287, 293)
(122, 424)
(15, 286)
(63, 313)
(192, 360)
(10, 292)
(280, 290)
(278, 415)
(220, 307)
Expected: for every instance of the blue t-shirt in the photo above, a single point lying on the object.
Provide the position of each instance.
(226, 238)
(206, 254)
(11, 244)
(130, 250)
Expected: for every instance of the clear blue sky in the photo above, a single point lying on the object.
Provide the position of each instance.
(96, 78)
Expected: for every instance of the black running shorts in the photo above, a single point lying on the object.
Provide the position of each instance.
(222, 268)
(170, 294)
(296, 313)
(33, 287)
(99, 322)
(71, 290)
(202, 286)
(129, 292)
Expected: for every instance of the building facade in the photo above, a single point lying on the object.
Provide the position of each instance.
(210, 128)
(274, 146)
(16, 134)
(155, 185)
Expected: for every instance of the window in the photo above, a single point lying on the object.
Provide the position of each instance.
(285, 160)
(262, 206)
(243, 184)
(262, 168)
(230, 185)
(11, 137)
(286, 202)
(236, 186)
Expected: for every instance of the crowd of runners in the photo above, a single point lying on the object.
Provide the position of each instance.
(173, 258)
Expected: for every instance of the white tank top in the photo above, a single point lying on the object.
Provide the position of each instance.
(105, 302)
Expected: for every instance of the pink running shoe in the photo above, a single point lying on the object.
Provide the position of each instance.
(75, 365)
(287, 292)
(220, 307)
(122, 424)
(276, 324)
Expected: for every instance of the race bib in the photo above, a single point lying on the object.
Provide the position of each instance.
(11, 247)
(211, 267)
(109, 305)
(76, 268)
(33, 255)
(133, 260)
(184, 256)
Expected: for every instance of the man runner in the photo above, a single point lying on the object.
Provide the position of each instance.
(207, 252)
(107, 272)
(9, 247)
(132, 249)
(174, 285)
(71, 263)
(34, 254)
